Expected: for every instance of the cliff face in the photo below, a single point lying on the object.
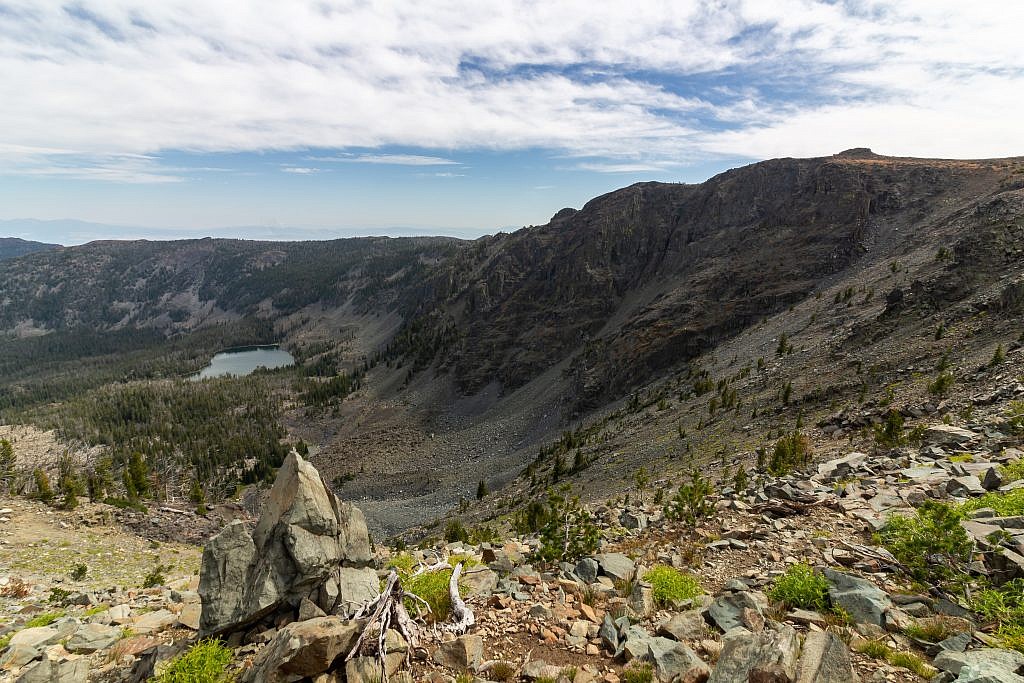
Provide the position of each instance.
(655, 274)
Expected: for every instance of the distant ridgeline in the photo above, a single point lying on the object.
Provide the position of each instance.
(13, 247)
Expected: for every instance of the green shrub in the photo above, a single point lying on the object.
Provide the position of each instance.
(931, 544)
(454, 532)
(156, 576)
(44, 491)
(740, 481)
(570, 532)
(79, 572)
(205, 662)
(942, 383)
(800, 587)
(890, 432)
(691, 504)
(671, 585)
(1015, 417)
(998, 357)
(792, 450)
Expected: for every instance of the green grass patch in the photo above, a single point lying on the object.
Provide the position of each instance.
(641, 673)
(402, 563)
(671, 585)
(931, 629)
(205, 662)
(1005, 606)
(876, 649)
(44, 619)
(1012, 471)
(961, 457)
(1009, 504)
(93, 611)
(433, 588)
(801, 587)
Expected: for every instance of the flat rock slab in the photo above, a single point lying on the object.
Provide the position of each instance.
(948, 435)
(92, 637)
(37, 637)
(153, 622)
(689, 625)
(987, 664)
(617, 566)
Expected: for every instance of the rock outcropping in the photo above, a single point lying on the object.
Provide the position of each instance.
(306, 545)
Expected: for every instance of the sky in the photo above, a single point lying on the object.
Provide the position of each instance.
(298, 118)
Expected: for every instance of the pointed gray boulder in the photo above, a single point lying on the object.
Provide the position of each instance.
(305, 538)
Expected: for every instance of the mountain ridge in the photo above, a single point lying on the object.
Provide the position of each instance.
(826, 277)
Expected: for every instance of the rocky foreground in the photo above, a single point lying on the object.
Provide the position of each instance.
(286, 595)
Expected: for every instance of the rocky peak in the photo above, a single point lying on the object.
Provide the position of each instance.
(307, 544)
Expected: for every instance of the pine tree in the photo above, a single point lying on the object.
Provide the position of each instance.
(7, 471)
(481, 490)
(43, 490)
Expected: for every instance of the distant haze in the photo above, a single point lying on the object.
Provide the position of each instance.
(72, 232)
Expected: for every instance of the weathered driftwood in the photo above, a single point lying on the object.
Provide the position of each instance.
(385, 612)
(463, 616)
(388, 611)
(785, 508)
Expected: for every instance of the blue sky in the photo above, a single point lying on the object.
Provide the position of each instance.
(326, 118)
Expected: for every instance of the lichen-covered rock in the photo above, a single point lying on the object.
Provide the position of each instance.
(305, 536)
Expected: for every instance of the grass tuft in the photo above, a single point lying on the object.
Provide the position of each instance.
(205, 662)
(671, 585)
(876, 649)
(801, 587)
(641, 673)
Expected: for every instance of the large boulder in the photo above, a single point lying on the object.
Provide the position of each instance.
(303, 543)
(864, 601)
(948, 435)
(824, 659)
(304, 649)
(616, 566)
(767, 656)
(675, 661)
(733, 609)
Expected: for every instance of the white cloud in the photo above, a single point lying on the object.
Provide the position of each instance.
(624, 85)
(390, 159)
(301, 170)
